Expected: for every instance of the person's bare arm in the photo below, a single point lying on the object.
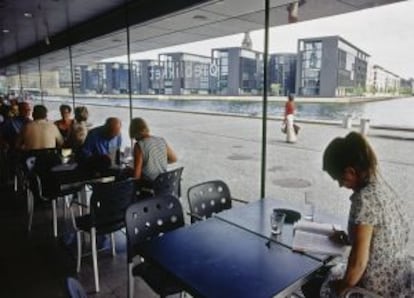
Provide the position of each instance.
(171, 156)
(358, 258)
(138, 161)
(59, 139)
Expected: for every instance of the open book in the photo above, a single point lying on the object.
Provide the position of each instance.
(313, 237)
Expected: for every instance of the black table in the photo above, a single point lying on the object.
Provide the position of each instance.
(69, 176)
(255, 218)
(215, 259)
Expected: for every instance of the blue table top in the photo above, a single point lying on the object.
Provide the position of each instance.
(255, 217)
(216, 259)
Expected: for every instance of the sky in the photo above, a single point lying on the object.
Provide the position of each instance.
(385, 32)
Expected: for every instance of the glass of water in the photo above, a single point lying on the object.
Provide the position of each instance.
(277, 219)
(309, 206)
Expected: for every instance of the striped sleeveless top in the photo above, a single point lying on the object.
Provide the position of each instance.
(154, 154)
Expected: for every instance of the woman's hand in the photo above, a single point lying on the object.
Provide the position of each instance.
(340, 237)
(338, 286)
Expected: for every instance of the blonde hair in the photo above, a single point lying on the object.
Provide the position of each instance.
(138, 128)
(81, 114)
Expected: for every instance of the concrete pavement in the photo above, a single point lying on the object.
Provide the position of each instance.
(229, 148)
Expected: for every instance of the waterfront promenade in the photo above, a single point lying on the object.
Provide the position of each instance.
(229, 148)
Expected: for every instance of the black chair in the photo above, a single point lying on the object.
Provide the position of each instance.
(74, 289)
(209, 197)
(147, 219)
(107, 210)
(38, 181)
(168, 183)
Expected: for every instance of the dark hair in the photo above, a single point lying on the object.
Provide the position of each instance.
(62, 108)
(352, 151)
(290, 97)
(39, 112)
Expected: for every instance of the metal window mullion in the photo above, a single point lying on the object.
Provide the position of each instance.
(72, 76)
(40, 80)
(264, 116)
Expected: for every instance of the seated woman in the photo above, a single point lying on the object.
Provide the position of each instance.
(378, 227)
(151, 154)
(65, 124)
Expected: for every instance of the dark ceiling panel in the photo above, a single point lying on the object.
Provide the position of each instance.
(57, 23)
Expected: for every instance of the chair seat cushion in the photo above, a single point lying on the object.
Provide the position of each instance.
(160, 281)
(85, 223)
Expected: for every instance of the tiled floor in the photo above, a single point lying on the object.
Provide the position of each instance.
(36, 264)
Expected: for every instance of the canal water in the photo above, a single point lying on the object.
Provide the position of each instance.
(396, 112)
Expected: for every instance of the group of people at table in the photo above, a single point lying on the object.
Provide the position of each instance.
(99, 146)
(378, 227)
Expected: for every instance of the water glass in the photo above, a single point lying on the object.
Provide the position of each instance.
(65, 154)
(277, 219)
(309, 207)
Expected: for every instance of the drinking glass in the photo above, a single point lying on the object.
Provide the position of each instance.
(277, 219)
(309, 206)
(65, 154)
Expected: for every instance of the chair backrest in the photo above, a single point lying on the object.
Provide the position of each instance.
(75, 289)
(357, 292)
(150, 218)
(169, 183)
(45, 159)
(110, 200)
(207, 198)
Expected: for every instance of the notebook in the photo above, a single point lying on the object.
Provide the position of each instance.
(313, 237)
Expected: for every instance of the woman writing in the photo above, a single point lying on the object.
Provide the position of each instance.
(378, 228)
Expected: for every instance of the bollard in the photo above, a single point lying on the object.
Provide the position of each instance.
(364, 126)
(347, 123)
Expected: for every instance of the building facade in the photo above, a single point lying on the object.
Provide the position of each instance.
(239, 71)
(185, 73)
(113, 78)
(330, 66)
(407, 86)
(282, 73)
(149, 79)
(382, 81)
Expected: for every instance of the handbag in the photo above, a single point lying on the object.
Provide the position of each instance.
(296, 128)
(283, 128)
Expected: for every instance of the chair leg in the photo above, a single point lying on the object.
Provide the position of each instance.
(95, 259)
(81, 200)
(113, 244)
(130, 280)
(15, 183)
(30, 208)
(54, 215)
(66, 206)
(79, 245)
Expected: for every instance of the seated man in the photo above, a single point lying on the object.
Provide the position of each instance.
(103, 143)
(35, 138)
(12, 127)
(39, 134)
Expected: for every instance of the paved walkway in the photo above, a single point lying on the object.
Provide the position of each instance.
(229, 148)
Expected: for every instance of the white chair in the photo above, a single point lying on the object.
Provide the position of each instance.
(360, 293)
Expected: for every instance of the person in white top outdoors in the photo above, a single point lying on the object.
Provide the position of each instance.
(151, 154)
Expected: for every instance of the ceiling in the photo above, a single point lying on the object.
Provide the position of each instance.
(151, 26)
